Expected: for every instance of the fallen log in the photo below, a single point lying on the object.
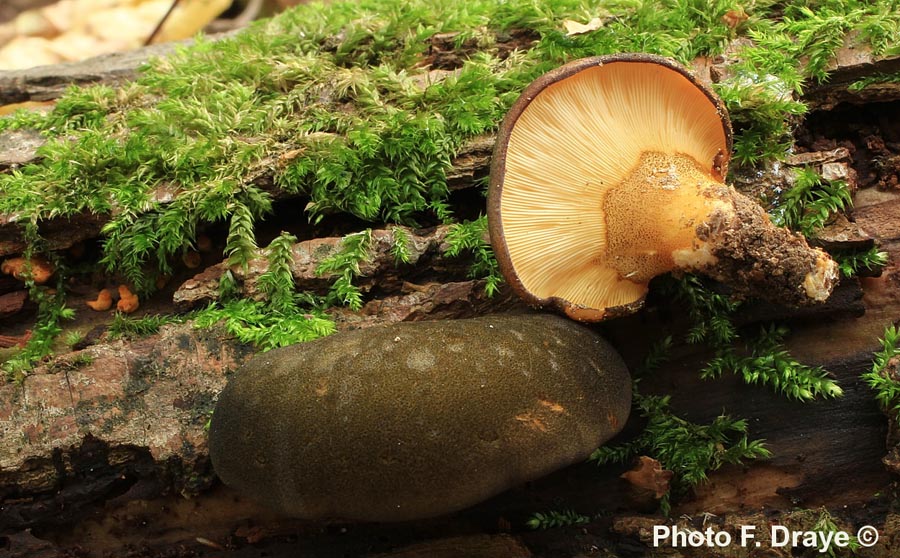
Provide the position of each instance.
(380, 268)
(11, 303)
(46, 83)
(140, 406)
(100, 444)
(852, 63)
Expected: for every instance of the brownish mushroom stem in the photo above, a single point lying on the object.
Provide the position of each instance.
(715, 231)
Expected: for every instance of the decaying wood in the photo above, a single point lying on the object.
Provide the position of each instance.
(10, 303)
(425, 249)
(126, 411)
(60, 234)
(852, 62)
(121, 423)
(470, 163)
(45, 83)
(432, 301)
(846, 301)
(842, 234)
(135, 411)
(19, 147)
(7, 341)
(121, 416)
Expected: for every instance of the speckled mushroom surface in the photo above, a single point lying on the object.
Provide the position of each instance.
(609, 171)
(417, 419)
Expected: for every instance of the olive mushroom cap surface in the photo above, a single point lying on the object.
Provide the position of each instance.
(416, 420)
(609, 171)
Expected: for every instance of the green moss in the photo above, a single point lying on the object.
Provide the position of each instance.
(691, 450)
(710, 312)
(786, 54)
(253, 322)
(765, 361)
(285, 316)
(471, 237)
(553, 519)
(881, 378)
(332, 98)
(400, 246)
(761, 359)
(52, 311)
(808, 206)
(874, 79)
(130, 328)
(688, 449)
(332, 102)
(277, 282)
(345, 265)
(852, 263)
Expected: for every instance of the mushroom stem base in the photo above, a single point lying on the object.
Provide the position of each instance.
(756, 258)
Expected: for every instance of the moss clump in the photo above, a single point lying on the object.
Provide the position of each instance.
(123, 326)
(688, 449)
(285, 317)
(882, 378)
(333, 102)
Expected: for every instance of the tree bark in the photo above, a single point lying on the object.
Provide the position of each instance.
(108, 438)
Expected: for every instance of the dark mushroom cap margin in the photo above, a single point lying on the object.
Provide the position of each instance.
(498, 174)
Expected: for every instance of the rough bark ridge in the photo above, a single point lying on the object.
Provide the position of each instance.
(106, 439)
(91, 424)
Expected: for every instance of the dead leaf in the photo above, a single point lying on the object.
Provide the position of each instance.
(25, 52)
(649, 475)
(575, 28)
(77, 29)
(27, 105)
(189, 17)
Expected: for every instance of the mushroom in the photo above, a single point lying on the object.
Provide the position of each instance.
(128, 302)
(609, 171)
(415, 420)
(39, 269)
(102, 303)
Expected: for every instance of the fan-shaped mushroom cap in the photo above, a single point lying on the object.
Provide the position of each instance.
(609, 171)
(37, 268)
(128, 301)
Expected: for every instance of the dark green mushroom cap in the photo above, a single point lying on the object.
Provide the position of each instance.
(416, 420)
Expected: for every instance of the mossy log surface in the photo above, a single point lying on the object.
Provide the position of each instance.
(46, 83)
(102, 443)
(92, 450)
